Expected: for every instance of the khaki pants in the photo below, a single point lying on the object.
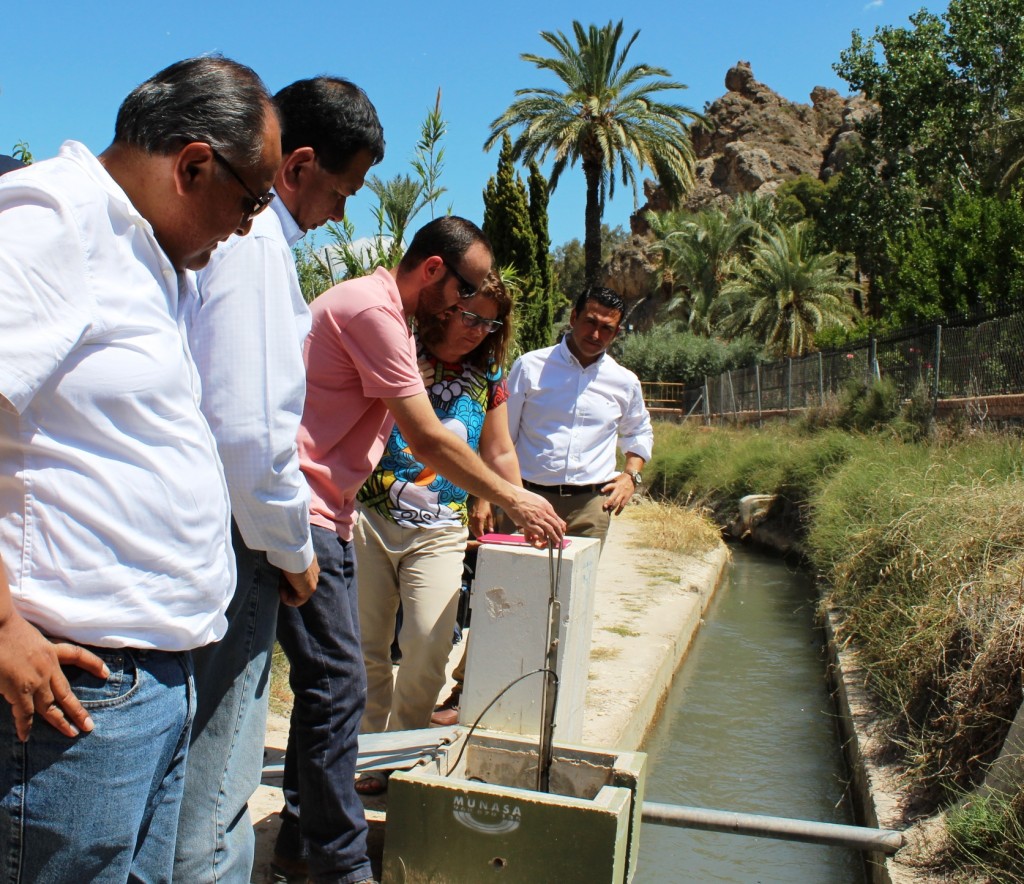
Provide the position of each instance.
(422, 568)
(582, 513)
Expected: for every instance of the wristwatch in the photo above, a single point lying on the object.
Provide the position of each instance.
(638, 480)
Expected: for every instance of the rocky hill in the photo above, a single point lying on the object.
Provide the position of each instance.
(755, 140)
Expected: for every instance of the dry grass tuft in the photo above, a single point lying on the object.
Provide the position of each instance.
(281, 697)
(676, 529)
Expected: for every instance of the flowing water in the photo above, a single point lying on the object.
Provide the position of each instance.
(748, 726)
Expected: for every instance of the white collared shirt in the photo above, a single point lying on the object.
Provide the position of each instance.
(565, 419)
(246, 332)
(114, 523)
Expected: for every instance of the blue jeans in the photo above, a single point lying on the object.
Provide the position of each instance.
(216, 842)
(102, 806)
(321, 639)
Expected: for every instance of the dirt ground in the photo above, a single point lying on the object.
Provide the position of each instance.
(648, 604)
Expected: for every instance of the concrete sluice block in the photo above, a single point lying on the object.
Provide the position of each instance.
(480, 818)
(508, 637)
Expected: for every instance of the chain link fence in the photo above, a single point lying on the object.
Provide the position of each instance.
(979, 369)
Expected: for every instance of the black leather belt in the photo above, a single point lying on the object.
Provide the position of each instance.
(565, 490)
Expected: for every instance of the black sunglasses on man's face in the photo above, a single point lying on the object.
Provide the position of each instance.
(466, 288)
(257, 202)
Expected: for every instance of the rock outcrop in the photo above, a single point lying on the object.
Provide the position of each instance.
(756, 139)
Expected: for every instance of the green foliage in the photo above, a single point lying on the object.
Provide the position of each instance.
(866, 407)
(666, 354)
(987, 832)
(21, 152)
(945, 87)
(509, 224)
(538, 187)
(786, 293)
(967, 255)
(802, 197)
(699, 254)
(922, 548)
(610, 118)
(399, 200)
(875, 407)
(568, 261)
(314, 274)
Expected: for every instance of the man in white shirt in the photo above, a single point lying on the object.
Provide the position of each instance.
(568, 407)
(246, 331)
(114, 523)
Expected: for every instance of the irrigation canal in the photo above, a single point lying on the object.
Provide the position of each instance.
(748, 727)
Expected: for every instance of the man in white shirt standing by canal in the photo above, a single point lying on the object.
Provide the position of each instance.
(246, 331)
(568, 407)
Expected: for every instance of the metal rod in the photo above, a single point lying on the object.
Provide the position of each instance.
(549, 694)
(882, 840)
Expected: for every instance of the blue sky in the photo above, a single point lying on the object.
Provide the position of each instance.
(66, 66)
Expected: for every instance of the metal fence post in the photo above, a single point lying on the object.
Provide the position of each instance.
(938, 357)
(707, 401)
(757, 377)
(789, 385)
(821, 379)
(873, 373)
(732, 396)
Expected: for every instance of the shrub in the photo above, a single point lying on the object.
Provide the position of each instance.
(667, 354)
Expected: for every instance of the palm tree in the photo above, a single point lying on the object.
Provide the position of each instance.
(786, 293)
(607, 117)
(699, 256)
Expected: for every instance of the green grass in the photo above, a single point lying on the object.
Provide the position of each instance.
(985, 833)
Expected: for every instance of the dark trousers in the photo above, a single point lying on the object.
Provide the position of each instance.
(321, 640)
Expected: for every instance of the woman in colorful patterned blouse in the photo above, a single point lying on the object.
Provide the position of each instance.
(411, 534)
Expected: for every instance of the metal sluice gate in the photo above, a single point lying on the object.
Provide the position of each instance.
(404, 750)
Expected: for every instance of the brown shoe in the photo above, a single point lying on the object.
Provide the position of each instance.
(444, 716)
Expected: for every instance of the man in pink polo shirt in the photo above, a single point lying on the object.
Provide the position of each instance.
(361, 378)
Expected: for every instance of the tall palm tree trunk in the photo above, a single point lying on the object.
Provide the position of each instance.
(592, 224)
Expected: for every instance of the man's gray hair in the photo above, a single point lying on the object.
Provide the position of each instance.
(210, 99)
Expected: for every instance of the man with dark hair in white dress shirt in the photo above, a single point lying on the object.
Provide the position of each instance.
(568, 407)
(246, 330)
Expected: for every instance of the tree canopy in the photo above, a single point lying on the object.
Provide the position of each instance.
(608, 117)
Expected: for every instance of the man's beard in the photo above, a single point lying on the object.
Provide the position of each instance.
(432, 303)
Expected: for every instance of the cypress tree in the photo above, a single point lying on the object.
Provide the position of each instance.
(507, 223)
(539, 222)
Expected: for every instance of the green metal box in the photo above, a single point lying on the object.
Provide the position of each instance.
(486, 821)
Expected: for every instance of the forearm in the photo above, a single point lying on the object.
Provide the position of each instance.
(505, 464)
(634, 463)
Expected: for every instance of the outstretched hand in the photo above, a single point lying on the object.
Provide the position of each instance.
(540, 523)
(32, 681)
